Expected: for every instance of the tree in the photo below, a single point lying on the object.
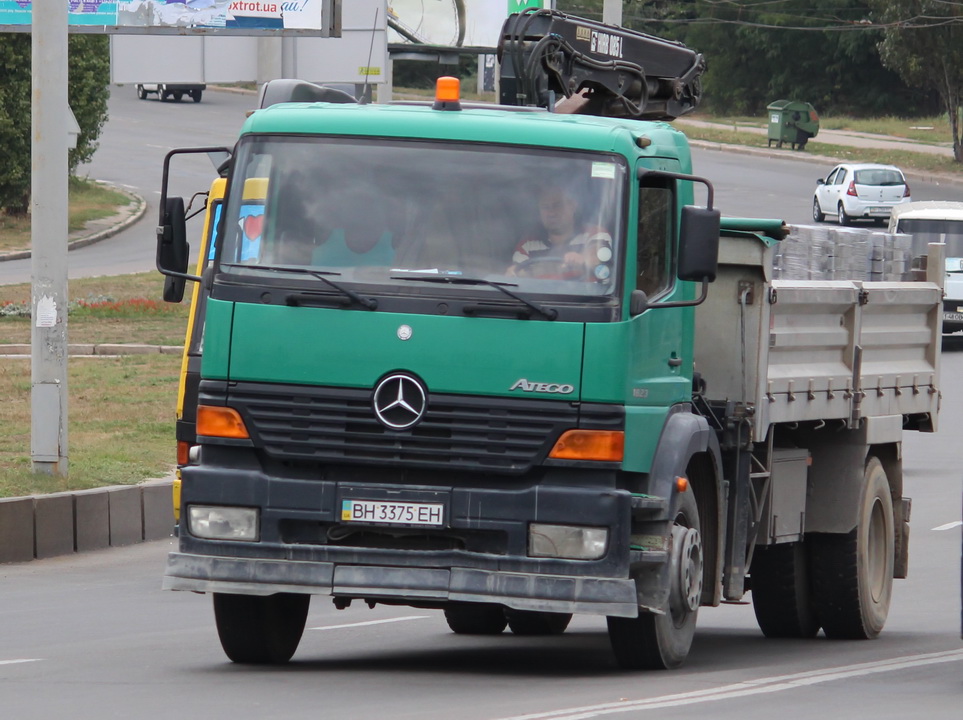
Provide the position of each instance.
(820, 51)
(88, 77)
(923, 42)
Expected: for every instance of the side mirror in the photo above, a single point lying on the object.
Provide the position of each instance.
(173, 250)
(699, 244)
(820, 181)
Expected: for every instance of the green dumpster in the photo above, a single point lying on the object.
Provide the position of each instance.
(793, 122)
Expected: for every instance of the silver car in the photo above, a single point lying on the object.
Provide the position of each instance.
(856, 191)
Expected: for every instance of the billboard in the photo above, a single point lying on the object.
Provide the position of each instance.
(239, 17)
(452, 23)
(359, 55)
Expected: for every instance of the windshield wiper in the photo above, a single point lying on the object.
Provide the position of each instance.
(294, 298)
(547, 313)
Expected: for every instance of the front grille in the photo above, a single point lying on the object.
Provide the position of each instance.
(339, 425)
(306, 532)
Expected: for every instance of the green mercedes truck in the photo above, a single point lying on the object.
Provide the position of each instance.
(495, 360)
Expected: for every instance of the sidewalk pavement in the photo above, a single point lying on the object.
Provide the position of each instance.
(44, 526)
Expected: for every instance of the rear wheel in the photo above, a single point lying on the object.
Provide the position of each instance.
(261, 630)
(196, 95)
(818, 214)
(781, 595)
(841, 215)
(141, 92)
(527, 622)
(178, 95)
(655, 642)
(853, 573)
(475, 618)
(164, 95)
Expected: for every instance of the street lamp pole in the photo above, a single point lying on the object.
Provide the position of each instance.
(48, 236)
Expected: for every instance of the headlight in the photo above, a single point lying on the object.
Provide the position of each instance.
(222, 523)
(567, 541)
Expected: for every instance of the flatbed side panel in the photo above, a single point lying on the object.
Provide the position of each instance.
(813, 327)
(900, 335)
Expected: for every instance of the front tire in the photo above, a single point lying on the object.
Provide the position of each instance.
(853, 573)
(818, 214)
(141, 92)
(781, 594)
(475, 618)
(260, 630)
(657, 642)
(528, 622)
(841, 217)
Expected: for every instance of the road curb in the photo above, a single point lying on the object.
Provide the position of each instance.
(98, 349)
(44, 526)
(97, 230)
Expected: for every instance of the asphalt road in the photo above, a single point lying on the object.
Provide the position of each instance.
(135, 139)
(93, 636)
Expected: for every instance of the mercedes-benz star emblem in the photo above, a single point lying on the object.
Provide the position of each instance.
(399, 401)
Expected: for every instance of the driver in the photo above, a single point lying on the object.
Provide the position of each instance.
(563, 247)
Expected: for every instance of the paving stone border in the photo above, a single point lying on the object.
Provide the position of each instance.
(43, 526)
(112, 349)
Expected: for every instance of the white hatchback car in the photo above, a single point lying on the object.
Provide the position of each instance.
(855, 191)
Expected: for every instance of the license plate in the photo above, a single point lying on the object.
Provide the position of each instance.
(393, 513)
(955, 316)
(879, 210)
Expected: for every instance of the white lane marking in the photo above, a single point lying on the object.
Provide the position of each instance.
(949, 526)
(371, 622)
(22, 660)
(745, 689)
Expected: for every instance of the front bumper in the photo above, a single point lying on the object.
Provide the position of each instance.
(521, 591)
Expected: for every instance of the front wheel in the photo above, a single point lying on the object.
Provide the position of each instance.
(657, 642)
(853, 573)
(530, 622)
(141, 92)
(841, 216)
(818, 215)
(475, 618)
(260, 630)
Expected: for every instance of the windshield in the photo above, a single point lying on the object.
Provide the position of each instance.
(879, 177)
(929, 231)
(393, 216)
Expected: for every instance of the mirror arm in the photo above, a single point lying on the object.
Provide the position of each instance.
(684, 303)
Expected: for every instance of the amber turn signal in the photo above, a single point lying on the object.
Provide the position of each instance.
(216, 421)
(183, 452)
(601, 445)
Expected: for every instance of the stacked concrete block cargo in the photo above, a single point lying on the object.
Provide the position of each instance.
(815, 252)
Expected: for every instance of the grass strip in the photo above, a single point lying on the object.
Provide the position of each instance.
(120, 423)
